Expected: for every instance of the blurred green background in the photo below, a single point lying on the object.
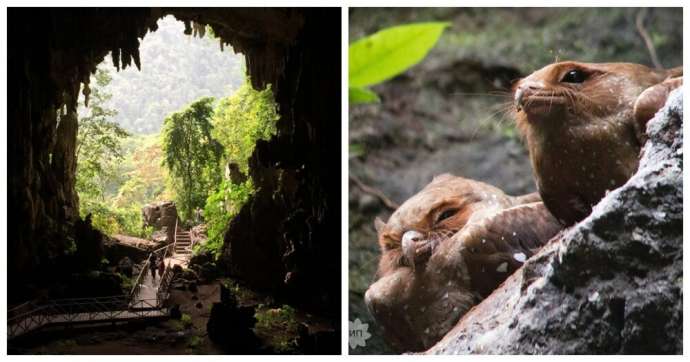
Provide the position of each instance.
(446, 114)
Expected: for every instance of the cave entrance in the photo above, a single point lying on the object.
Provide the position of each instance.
(121, 144)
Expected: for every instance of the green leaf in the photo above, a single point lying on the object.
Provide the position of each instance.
(391, 51)
(362, 95)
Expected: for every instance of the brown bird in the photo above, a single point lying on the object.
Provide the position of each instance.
(444, 250)
(584, 124)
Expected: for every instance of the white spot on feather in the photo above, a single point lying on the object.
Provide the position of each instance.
(502, 268)
(521, 257)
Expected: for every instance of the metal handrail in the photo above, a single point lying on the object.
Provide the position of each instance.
(142, 272)
(175, 237)
(68, 310)
(83, 310)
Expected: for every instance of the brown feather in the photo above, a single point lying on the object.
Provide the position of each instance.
(418, 297)
(581, 132)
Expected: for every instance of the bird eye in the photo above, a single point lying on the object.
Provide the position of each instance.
(574, 76)
(446, 214)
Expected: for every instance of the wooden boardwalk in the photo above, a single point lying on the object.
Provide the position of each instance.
(146, 300)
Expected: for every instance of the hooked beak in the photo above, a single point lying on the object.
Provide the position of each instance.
(409, 241)
(416, 248)
(519, 98)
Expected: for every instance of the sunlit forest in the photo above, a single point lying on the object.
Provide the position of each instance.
(190, 106)
(176, 69)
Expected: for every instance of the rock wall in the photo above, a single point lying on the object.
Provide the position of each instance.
(287, 238)
(51, 52)
(610, 284)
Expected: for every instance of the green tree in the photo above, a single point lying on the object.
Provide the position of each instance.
(98, 152)
(98, 141)
(191, 154)
(242, 119)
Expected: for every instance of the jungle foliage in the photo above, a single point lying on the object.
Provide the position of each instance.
(188, 160)
(99, 154)
(117, 173)
(175, 70)
(239, 122)
(191, 155)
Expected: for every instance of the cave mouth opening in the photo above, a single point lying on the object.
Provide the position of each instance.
(120, 155)
(107, 199)
(119, 151)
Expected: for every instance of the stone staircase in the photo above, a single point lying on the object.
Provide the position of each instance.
(183, 242)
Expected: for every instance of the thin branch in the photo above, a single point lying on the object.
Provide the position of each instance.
(639, 22)
(375, 192)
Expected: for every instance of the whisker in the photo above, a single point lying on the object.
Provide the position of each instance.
(553, 92)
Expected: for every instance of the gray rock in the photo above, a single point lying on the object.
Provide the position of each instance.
(610, 284)
(161, 215)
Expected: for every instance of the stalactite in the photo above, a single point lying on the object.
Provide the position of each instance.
(115, 53)
(135, 56)
(199, 29)
(87, 92)
(126, 57)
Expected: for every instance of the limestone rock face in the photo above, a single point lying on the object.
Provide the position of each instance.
(286, 238)
(610, 284)
(161, 216)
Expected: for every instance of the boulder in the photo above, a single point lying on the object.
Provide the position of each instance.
(230, 326)
(118, 247)
(611, 283)
(159, 215)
